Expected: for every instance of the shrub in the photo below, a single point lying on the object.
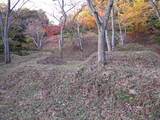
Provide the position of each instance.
(153, 22)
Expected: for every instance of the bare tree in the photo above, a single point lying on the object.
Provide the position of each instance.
(35, 29)
(102, 24)
(155, 6)
(62, 21)
(78, 34)
(5, 28)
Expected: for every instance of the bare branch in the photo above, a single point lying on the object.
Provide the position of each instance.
(70, 9)
(56, 17)
(94, 12)
(15, 5)
(24, 2)
(108, 11)
(77, 13)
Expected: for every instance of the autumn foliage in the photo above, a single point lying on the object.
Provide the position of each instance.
(51, 30)
(134, 15)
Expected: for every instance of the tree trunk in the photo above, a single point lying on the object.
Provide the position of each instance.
(113, 29)
(125, 33)
(61, 41)
(7, 57)
(101, 45)
(121, 42)
(121, 34)
(102, 24)
(40, 43)
(5, 29)
(120, 28)
(108, 41)
(1, 26)
(79, 39)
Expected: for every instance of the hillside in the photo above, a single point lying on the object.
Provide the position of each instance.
(126, 88)
(80, 60)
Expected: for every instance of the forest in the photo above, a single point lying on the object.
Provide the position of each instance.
(80, 60)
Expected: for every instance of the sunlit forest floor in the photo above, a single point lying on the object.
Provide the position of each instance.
(41, 86)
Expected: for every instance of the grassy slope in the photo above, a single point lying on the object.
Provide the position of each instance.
(84, 91)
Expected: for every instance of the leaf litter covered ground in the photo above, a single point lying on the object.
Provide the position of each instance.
(126, 88)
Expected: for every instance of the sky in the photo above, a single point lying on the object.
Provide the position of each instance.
(48, 6)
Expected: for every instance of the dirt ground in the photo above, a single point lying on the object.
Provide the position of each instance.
(41, 86)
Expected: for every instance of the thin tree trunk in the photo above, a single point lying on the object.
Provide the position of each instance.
(35, 42)
(78, 30)
(120, 28)
(39, 40)
(40, 43)
(121, 34)
(1, 25)
(61, 41)
(79, 40)
(108, 41)
(120, 31)
(125, 33)
(113, 29)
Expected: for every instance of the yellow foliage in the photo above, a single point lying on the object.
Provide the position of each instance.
(86, 18)
(134, 14)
